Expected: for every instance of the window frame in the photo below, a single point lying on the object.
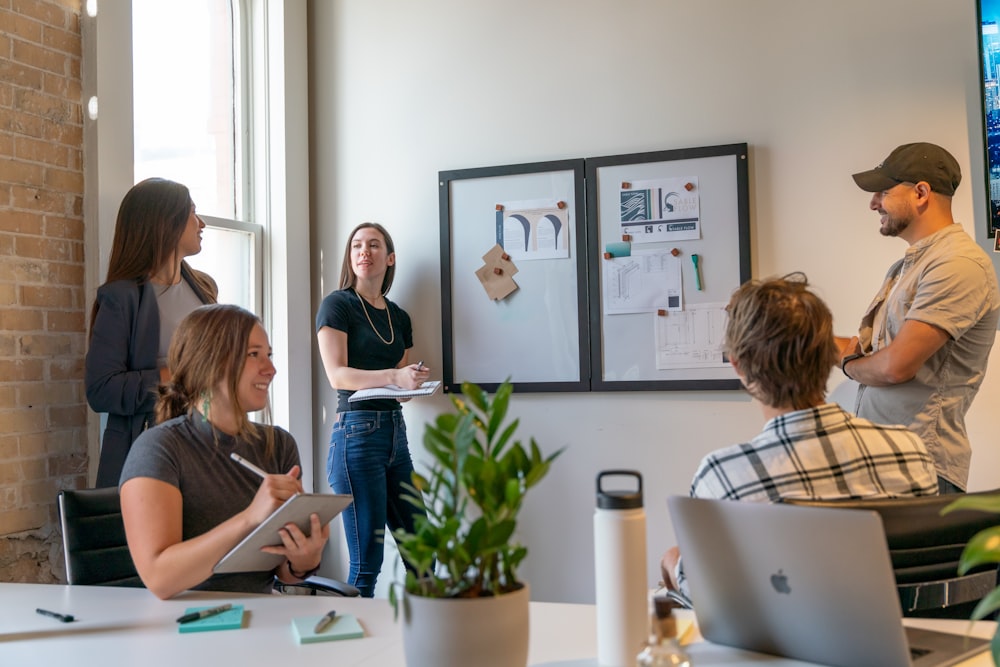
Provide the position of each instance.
(256, 233)
(273, 184)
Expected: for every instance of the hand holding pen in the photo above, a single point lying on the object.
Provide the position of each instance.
(274, 489)
(295, 545)
(410, 376)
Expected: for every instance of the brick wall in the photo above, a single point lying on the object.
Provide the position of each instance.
(43, 413)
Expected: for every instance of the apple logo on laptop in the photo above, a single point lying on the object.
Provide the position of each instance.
(780, 582)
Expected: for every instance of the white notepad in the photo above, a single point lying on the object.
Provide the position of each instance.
(247, 556)
(392, 391)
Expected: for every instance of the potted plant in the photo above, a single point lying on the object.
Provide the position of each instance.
(983, 548)
(462, 558)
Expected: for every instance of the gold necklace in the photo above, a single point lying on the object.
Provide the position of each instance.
(392, 334)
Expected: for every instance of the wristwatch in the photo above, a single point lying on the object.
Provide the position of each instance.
(843, 363)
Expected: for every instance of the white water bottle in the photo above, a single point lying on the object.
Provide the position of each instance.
(620, 571)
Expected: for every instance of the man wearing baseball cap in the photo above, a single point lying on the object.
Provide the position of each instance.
(922, 347)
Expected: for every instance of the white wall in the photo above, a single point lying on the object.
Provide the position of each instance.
(401, 90)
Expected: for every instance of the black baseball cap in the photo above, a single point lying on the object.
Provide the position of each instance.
(912, 163)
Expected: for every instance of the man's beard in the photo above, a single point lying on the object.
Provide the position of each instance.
(894, 225)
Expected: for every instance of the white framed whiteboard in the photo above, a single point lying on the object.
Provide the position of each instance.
(537, 335)
(676, 206)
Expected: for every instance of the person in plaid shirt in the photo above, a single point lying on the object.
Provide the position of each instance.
(780, 341)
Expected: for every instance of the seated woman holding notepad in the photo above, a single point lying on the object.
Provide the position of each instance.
(185, 502)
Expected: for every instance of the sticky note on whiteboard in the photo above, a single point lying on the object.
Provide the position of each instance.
(619, 249)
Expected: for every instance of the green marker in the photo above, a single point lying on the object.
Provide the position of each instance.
(697, 272)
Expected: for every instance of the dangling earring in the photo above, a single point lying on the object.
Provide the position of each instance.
(206, 401)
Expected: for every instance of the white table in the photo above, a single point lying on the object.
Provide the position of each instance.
(123, 626)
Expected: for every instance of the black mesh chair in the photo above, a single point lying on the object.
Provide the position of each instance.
(97, 554)
(925, 548)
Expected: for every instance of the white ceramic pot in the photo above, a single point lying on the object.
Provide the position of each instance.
(459, 632)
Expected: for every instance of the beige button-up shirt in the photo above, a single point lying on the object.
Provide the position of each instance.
(948, 281)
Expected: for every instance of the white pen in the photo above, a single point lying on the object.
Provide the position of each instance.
(246, 464)
(420, 365)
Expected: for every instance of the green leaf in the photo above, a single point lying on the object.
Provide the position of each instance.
(499, 443)
(984, 547)
(475, 395)
(535, 475)
(987, 605)
(513, 494)
(477, 534)
(501, 400)
(516, 460)
(394, 601)
(983, 503)
(501, 533)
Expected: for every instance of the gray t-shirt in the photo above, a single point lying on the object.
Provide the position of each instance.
(184, 452)
(174, 303)
(945, 280)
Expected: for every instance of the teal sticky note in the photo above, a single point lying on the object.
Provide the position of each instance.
(619, 249)
(227, 620)
(344, 626)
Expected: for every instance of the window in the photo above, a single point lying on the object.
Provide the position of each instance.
(184, 99)
(187, 113)
(265, 41)
(230, 253)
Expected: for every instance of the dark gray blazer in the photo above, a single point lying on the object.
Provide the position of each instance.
(121, 374)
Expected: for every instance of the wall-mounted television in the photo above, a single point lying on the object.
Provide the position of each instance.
(989, 65)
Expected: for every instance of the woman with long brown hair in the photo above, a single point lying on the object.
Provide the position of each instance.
(365, 341)
(148, 290)
(185, 502)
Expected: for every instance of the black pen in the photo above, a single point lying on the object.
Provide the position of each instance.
(65, 618)
(324, 622)
(204, 613)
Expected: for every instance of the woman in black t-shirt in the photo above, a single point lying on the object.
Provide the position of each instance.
(365, 341)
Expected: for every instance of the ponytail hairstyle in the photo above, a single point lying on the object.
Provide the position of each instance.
(209, 347)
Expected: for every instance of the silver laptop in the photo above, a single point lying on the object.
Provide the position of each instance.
(808, 583)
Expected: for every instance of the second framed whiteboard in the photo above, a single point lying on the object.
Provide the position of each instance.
(670, 242)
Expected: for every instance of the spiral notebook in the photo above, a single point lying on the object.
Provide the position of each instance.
(392, 391)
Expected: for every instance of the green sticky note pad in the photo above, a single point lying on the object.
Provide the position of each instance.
(619, 249)
(231, 619)
(344, 626)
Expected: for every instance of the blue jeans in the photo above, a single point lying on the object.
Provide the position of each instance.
(370, 459)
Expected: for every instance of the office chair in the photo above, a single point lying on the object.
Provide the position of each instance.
(94, 539)
(925, 547)
(96, 551)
